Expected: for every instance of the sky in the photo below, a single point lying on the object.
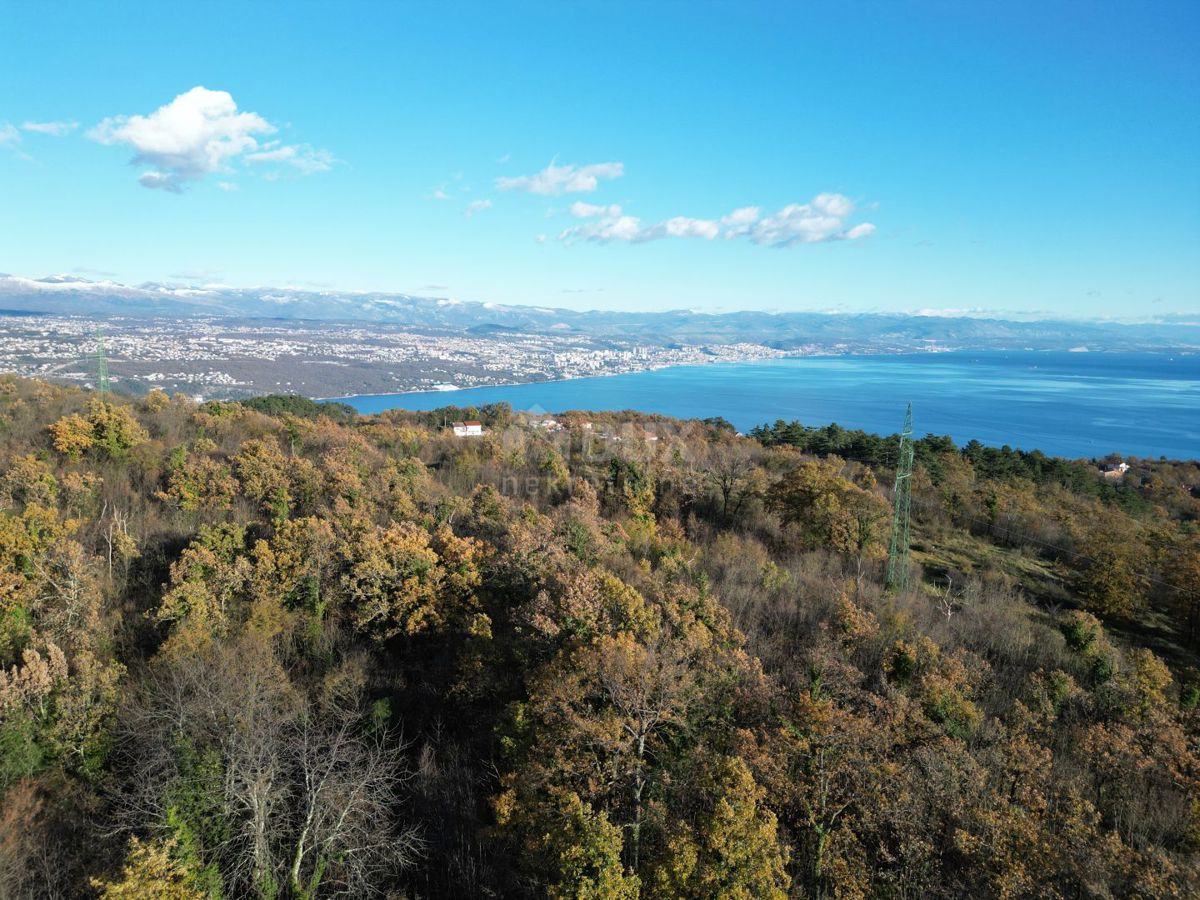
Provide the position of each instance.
(1029, 159)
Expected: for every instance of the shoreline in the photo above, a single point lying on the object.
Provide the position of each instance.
(819, 354)
(1066, 404)
(510, 384)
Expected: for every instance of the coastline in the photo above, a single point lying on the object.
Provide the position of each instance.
(1072, 405)
(511, 384)
(751, 360)
(783, 355)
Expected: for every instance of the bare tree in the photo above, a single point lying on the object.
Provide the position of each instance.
(348, 783)
(948, 602)
(307, 797)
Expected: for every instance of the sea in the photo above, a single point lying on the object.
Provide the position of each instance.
(1070, 404)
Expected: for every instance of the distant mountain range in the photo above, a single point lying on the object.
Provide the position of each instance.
(70, 295)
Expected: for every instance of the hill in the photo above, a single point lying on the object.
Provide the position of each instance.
(256, 650)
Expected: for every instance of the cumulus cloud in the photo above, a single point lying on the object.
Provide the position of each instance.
(746, 215)
(476, 206)
(604, 230)
(610, 225)
(198, 133)
(682, 226)
(555, 180)
(54, 129)
(821, 219)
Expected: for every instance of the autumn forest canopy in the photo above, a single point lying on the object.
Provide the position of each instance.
(275, 649)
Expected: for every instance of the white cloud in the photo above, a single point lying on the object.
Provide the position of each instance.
(834, 204)
(866, 229)
(271, 153)
(746, 215)
(629, 229)
(198, 133)
(193, 135)
(476, 206)
(54, 129)
(11, 136)
(682, 226)
(581, 210)
(299, 156)
(822, 219)
(555, 180)
(227, 186)
(605, 230)
(439, 194)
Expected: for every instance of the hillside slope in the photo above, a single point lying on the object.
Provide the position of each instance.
(271, 652)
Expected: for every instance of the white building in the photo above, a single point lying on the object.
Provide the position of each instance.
(467, 429)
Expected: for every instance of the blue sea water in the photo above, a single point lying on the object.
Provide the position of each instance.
(1066, 404)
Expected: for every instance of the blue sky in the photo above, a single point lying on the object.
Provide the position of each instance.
(1031, 158)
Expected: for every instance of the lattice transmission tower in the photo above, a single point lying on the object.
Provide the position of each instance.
(897, 571)
(101, 363)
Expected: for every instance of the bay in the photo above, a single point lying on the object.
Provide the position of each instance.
(1065, 404)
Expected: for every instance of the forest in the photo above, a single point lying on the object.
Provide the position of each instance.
(275, 649)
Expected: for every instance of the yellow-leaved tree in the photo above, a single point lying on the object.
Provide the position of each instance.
(150, 873)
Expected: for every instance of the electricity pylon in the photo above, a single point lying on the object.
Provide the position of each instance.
(101, 363)
(897, 572)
